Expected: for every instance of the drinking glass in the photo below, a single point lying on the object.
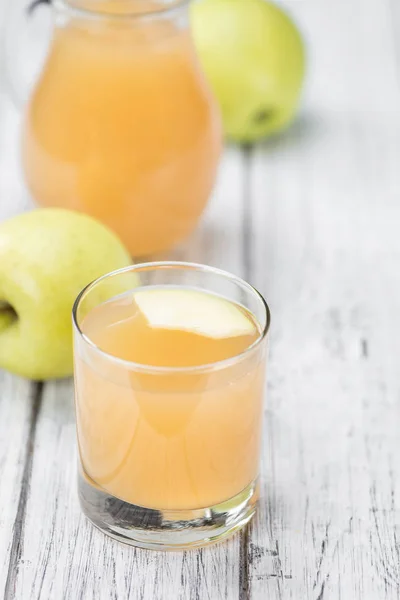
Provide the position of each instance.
(169, 456)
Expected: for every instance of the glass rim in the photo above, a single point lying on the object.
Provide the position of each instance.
(94, 13)
(165, 370)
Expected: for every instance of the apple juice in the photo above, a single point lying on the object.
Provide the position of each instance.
(174, 422)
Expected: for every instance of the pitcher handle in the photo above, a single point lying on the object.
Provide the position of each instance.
(23, 47)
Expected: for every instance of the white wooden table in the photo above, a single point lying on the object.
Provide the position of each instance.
(313, 220)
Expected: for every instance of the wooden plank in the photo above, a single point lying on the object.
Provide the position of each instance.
(65, 557)
(17, 396)
(16, 411)
(326, 254)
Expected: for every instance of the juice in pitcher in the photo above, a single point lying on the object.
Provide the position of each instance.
(122, 124)
(169, 396)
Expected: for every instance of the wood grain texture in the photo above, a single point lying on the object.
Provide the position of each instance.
(17, 397)
(15, 419)
(312, 219)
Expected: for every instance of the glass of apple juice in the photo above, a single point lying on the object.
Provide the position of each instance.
(169, 385)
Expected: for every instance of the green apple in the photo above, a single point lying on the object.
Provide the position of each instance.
(253, 56)
(46, 257)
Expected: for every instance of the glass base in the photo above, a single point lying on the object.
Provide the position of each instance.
(166, 530)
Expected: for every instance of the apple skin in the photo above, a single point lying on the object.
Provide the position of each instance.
(46, 257)
(254, 58)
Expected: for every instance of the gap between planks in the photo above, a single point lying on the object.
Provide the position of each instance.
(247, 153)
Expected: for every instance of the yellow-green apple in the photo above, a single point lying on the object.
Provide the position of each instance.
(46, 257)
(253, 56)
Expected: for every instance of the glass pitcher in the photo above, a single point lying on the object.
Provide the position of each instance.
(121, 123)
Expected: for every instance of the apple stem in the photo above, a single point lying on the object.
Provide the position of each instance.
(7, 315)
